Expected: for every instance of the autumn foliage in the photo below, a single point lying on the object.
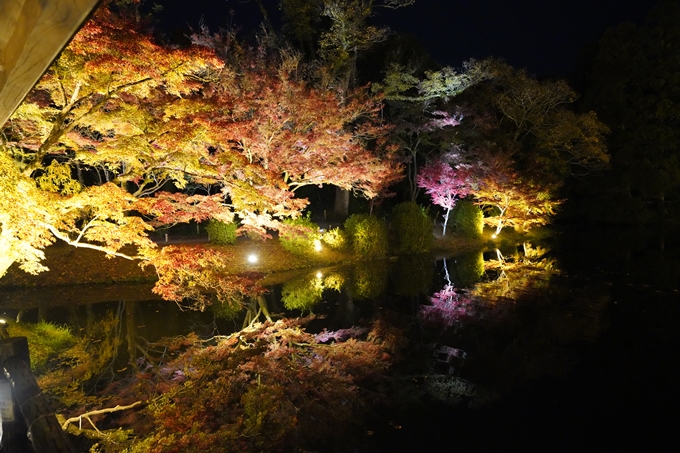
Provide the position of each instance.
(123, 135)
(271, 387)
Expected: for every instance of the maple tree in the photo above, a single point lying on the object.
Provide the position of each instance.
(106, 146)
(508, 197)
(445, 183)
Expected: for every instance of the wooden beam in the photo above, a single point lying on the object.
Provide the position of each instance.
(32, 34)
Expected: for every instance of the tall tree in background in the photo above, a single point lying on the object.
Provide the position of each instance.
(424, 111)
(526, 142)
(350, 32)
(532, 122)
(630, 79)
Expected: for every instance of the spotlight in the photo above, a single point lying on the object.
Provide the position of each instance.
(252, 258)
(319, 275)
(494, 236)
(317, 245)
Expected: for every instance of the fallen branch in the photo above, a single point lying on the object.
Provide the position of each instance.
(87, 415)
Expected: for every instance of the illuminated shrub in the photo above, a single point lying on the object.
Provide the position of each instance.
(298, 235)
(221, 233)
(367, 235)
(412, 228)
(47, 341)
(335, 239)
(468, 219)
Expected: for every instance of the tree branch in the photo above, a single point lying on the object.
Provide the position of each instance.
(87, 415)
(58, 234)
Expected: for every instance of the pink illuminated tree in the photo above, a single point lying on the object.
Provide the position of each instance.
(445, 183)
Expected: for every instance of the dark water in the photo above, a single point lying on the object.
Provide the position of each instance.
(569, 345)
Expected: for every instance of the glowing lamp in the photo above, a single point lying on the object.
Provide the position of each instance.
(317, 245)
(319, 275)
(252, 258)
(494, 236)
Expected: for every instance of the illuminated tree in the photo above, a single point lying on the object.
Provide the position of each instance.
(446, 184)
(508, 197)
(104, 147)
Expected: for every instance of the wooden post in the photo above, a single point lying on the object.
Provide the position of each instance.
(41, 425)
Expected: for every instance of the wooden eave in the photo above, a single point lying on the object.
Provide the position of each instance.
(32, 34)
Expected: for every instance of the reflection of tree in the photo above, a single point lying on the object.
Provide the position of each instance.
(468, 269)
(305, 292)
(448, 305)
(88, 364)
(509, 276)
(256, 306)
(527, 317)
(369, 279)
(412, 275)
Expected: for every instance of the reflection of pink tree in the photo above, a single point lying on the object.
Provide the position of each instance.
(446, 184)
(448, 305)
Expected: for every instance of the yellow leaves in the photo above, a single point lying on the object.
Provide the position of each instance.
(57, 179)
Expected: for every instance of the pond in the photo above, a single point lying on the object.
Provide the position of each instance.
(571, 344)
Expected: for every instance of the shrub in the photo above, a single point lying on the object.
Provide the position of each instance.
(46, 341)
(221, 233)
(335, 239)
(298, 235)
(367, 235)
(468, 219)
(412, 227)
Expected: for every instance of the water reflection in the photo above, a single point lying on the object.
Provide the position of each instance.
(503, 332)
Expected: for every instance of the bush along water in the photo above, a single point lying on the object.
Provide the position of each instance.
(367, 235)
(468, 219)
(412, 228)
(221, 233)
(299, 235)
(335, 238)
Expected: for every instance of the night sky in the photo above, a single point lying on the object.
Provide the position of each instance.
(543, 36)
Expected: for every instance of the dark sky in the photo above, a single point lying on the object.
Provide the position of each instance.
(544, 36)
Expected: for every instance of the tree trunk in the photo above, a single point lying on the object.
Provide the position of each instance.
(446, 220)
(42, 426)
(341, 206)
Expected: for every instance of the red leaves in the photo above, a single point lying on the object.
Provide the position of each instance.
(170, 208)
(444, 183)
(199, 274)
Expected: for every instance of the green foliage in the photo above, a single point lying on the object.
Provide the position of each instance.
(335, 238)
(87, 357)
(468, 269)
(221, 233)
(298, 235)
(412, 227)
(367, 235)
(305, 292)
(468, 219)
(45, 340)
(302, 294)
(369, 280)
(413, 275)
(225, 309)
